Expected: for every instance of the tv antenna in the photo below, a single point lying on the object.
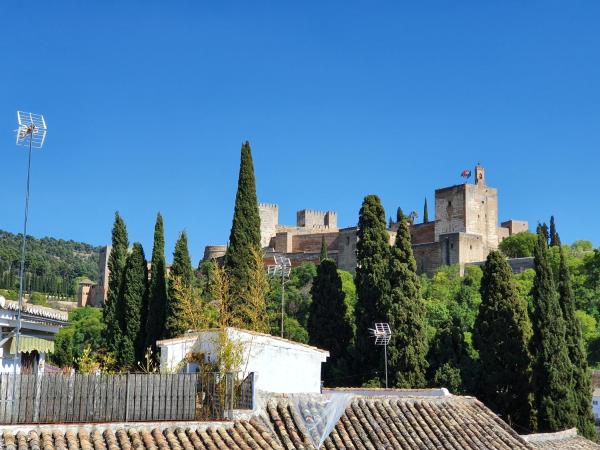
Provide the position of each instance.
(382, 334)
(31, 132)
(281, 268)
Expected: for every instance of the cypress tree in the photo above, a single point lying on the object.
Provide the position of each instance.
(244, 239)
(323, 254)
(554, 238)
(543, 230)
(553, 372)
(372, 285)
(116, 267)
(425, 212)
(328, 325)
(181, 269)
(405, 312)
(502, 334)
(577, 354)
(157, 297)
(135, 291)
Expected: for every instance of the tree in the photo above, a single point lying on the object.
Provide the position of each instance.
(372, 285)
(577, 354)
(329, 326)
(181, 269)
(502, 335)
(85, 329)
(323, 254)
(425, 212)
(157, 293)
(554, 238)
(553, 372)
(116, 267)
(519, 245)
(252, 312)
(195, 314)
(405, 312)
(244, 238)
(135, 292)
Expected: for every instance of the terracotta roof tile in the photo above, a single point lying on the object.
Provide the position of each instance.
(562, 440)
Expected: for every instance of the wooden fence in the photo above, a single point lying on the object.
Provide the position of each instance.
(82, 398)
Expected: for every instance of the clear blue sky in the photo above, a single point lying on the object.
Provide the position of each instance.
(148, 102)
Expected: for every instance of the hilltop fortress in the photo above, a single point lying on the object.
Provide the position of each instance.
(464, 231)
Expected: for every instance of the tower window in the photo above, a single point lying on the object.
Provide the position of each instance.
(449, 203)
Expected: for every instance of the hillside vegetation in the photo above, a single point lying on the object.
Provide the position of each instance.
(53, 266)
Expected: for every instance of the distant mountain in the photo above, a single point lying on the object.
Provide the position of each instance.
(52, 265)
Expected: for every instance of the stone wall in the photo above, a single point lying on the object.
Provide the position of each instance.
(346, 256)
(427, 257)
(269, 219)
(481, 213)
(422, 233)
(449, 210)
(310, 218)
(515, 226)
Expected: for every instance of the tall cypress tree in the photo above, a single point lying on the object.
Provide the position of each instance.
(554, 238)
(116, 267)
(329, 326)
(244, 239)
(180, 269)
(577, 354)
(425, 212)
(323, 254)
(372, 285)
(553, 371)
(157, 297)
(502, 334)
(135, 291)
(405, 313)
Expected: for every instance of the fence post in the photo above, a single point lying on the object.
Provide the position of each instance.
(126, 397)
(253, 390)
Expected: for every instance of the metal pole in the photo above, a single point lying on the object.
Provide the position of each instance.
(385, 353)
(17, 358)
(282, 295)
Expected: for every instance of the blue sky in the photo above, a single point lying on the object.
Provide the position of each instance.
(148, 103)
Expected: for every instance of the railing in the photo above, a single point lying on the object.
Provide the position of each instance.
(82, 398)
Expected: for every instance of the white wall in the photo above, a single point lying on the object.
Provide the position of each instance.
(596, 405)
(280, 365)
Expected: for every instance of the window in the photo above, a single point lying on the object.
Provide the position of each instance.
(451, 245)
(347, 240)
(595, 402)
(449, 203)
(470, 247)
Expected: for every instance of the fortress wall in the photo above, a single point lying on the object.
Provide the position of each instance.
(422, 233)
(312, 242)
(310, 218)
(269, 219)
(450, 210)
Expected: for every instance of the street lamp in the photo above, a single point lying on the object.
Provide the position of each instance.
(32, 133)
(382, 334)
(282, 268)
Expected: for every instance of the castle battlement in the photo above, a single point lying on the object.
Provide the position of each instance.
(272, 206)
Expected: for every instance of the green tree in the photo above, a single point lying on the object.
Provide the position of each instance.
(519, 245)
(554, 238)
(501, 335)
(576, 347)
(181, 269)
(329, 326)
(323, 254)
(405, 312)
(425, 212)
(85, 328)
(553, 371)
(157, 293)
(244, 239)
(116, 267)
(135, 292)
(372, 284)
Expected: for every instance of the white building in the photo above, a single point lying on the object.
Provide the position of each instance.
(596, 404)
(279, 365)
(38, 327)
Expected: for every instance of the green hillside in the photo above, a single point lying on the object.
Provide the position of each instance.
(52, 265)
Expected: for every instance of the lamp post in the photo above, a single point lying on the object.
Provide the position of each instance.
(282, 268)
(31, 132)
(382, 334)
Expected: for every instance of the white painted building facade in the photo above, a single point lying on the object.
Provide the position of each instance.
(279, 365)
(596, 404)
(39, 325)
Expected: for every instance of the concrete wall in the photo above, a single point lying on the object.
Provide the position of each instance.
(280, 365)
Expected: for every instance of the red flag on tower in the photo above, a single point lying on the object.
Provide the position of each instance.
(465, 173)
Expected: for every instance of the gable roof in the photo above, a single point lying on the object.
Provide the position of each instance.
(368, 423)
(43, 312)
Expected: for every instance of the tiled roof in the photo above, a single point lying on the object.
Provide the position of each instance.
(36, 310)
(454, 423)
(368, 423)
(244, 435)
(563, 440)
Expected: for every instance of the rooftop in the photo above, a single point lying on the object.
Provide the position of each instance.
(34, 310)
